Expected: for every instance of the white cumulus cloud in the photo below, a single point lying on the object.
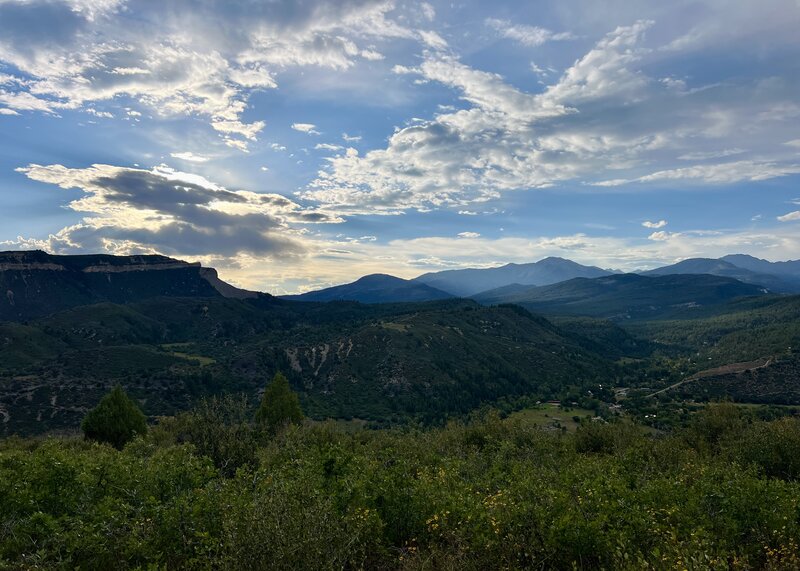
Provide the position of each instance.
(309, 128)
(181, 58)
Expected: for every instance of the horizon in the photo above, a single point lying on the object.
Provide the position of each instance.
(297, 149)
(359, 277)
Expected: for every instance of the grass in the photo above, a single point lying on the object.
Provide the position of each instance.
(199, 359)
(552, 416)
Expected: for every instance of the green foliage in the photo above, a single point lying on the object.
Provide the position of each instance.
(624, 297)
(388, 363)
(773, 447)
(219, 428)
(487, 494)
(279, 405)
(716, 423)
(116, 420)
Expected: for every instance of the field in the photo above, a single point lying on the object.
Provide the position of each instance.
(553, 417)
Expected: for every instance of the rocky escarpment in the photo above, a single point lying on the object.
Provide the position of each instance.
(35, 283)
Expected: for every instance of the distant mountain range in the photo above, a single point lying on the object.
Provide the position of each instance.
(790, 269)
(625, 296)
(35, 283)
(775, 277)
(506, 281)
(468, 282)
(375, 288)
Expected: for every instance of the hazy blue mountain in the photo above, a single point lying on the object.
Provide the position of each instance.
(375, 288)
(469, 282)
(721, 267)
(35, 283)
(790, 268)
(625, 296)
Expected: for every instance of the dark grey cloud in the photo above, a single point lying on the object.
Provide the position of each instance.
(175, 213)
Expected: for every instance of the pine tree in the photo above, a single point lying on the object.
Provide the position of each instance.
(115, 420)
(279, 406)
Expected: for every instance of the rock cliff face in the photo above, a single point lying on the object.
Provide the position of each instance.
(35, 283)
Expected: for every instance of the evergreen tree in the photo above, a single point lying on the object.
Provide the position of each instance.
(115, 420)
(279, 406)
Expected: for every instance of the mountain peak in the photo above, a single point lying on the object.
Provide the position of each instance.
(375, 288)
(471, 281)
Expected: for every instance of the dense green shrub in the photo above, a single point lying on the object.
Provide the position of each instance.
(116, 420)
(219, 427)
(487, 494)
(279, 405)
(773, 447)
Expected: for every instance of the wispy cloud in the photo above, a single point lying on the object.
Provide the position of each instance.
(531, 36)
(190, 157)
(199, 60)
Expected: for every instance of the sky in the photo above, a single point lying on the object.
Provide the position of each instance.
(299, 144)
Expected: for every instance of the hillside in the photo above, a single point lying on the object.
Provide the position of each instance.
(625, 296)
(375, 288)
(789, 268)
(170, 337)
(36, 284)
(742, 330)
(468, 282)
(381, 362)
(725, 268)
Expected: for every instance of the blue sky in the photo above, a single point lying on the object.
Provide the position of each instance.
(294, 145)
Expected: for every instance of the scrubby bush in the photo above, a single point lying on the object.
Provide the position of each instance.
(219, 427)
(491, 493)
(116, 420)
(279, 405)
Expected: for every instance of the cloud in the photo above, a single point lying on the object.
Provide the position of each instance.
(705, 155)
(538, 70)
(659, 224)
(409, 258)
(468, 235)
(531, 36)
(790, 217)
(181, 58)
(328, 147)
(661, 235)
(605, 122)
(190, 157)
(428, 11)
(726, 173)
(432, 39)
(308, 128)
(176, 213)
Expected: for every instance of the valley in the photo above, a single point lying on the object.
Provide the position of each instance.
(172, 339)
